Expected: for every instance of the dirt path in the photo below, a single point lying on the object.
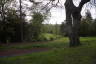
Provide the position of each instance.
(17, 52)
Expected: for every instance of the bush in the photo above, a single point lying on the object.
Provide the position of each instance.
(47, 37)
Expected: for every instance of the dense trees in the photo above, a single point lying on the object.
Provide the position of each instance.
(13, 26)
(10, 29)
(87, 26)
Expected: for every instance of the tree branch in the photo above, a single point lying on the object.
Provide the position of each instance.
(82, 3)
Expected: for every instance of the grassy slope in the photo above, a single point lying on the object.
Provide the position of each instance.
(85, 54)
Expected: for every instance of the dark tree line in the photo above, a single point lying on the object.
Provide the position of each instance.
(87, 26)
(13, 25)
(10, 28)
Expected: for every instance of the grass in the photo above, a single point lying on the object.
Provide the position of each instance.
(50, 44)
(61, 54)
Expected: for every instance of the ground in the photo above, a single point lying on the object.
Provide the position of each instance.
(59, 53)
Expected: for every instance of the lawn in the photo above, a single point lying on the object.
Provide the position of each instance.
(62, 42)
(60, 53)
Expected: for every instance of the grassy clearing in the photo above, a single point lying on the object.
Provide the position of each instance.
(49, 44)
(47, 40)
(85, 54)
(59, 43)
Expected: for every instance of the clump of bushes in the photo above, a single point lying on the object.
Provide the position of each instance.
(47, 37)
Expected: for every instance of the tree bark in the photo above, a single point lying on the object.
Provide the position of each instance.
(21, 26)
(73, 18)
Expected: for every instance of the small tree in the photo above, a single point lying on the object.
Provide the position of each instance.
(35, 28)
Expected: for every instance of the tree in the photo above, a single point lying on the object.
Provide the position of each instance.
(3, 8)
(73, 18)
(10, 28)
(3, 22)
(20, 2)
(86, 26)
(35, 26)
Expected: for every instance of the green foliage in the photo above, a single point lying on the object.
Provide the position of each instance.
(10, 29)
(35, 27)
(84, 28)
(51, 28)
(87, 26)
(62, 29)
(7, 27)
(47, 37)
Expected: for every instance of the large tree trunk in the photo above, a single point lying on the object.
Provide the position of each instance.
(73, 21)
(75, 27)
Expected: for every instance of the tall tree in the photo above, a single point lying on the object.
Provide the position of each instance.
(35, 28)
(73, 18)
(3, 11)
(20, 1)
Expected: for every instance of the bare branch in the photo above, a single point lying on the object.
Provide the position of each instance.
(82, 3)
(36, 3)
(46, 5)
